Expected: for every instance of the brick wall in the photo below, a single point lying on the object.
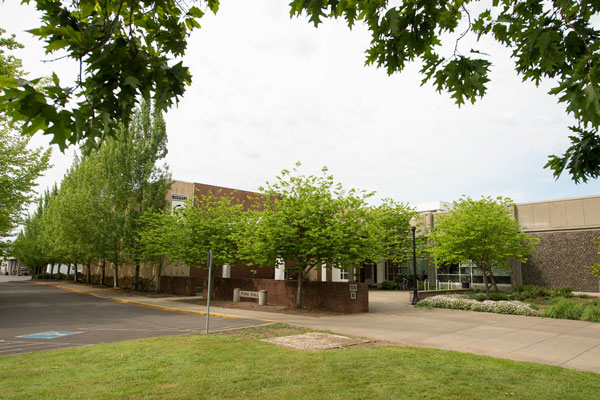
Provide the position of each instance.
(180, 285)
(562, 260)
(326, 296)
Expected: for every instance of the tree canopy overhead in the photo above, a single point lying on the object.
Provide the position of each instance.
(128, 50)
(549, 40)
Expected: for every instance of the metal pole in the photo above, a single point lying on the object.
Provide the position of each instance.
(209, 263)
(415, 298)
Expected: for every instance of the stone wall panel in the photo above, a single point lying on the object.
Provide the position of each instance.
(563, 259)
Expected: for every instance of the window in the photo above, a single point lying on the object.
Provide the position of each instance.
(344, 274)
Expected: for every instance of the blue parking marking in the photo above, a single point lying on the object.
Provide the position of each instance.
(48, 335)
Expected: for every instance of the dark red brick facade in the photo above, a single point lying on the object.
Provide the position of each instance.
(326, 296)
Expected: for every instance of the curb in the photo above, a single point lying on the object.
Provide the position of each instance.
(142, 304)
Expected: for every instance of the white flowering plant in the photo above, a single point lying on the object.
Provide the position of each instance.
(461, 302)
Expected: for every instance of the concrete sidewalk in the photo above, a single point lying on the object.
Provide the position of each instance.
(570, 344)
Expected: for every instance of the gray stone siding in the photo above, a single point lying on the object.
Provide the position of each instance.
(562, 260)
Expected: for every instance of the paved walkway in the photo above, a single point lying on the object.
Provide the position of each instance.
(570, 344)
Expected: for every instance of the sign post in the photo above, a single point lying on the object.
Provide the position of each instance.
(209, 264)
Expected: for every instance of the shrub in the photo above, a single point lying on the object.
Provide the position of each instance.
(563, 309)
(591, 313)
(561, 292)
(404, 281)
(533, 291)
(477, 296)
(387, 285)
(591, 304)
(496, 296)
(61, 277)
(145, 284)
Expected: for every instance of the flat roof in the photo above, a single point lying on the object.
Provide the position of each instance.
(555, 200)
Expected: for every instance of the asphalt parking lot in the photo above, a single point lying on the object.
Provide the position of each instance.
(37, 318)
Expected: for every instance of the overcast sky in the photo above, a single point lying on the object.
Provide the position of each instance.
(268, 91)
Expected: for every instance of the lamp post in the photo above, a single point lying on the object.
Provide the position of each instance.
(415, 298)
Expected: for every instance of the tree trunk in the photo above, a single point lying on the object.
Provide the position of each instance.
(52, 269)
(75, 278)
(299, 291)
(116, 275)
(485, 285)
(136, 277)
(514, 283)
(89, 273)
(69, 270)
(103, 272)
(158, 275)
(493, 280)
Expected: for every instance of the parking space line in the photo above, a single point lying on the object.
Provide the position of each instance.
(28, 347)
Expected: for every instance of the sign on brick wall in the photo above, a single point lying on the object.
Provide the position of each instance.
(177, 201)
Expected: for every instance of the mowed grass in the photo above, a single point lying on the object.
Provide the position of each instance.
(243, 367)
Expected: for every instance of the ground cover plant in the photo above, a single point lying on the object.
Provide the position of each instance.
(531, 300)
(591, 313)
(563, 309)
(242, 366)
(461, 302)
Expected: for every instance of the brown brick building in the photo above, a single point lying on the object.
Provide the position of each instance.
(566, 229)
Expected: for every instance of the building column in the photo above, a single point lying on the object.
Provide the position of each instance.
(226, 271)
(280, 270)
(380, 273)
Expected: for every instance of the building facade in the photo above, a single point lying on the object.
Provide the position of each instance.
(566, 228)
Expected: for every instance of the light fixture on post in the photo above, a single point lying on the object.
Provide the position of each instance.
(413, 228)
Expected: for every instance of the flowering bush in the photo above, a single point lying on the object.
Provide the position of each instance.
(460, 302)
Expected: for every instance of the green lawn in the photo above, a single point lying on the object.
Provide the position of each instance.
(243, 367)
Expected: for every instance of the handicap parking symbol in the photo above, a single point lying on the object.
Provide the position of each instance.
(49, 335)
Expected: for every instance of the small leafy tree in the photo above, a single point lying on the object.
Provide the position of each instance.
(482, 233)
(156, 240)
(312, 223)
(28, 246)
(207, 224)
(393, 224)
